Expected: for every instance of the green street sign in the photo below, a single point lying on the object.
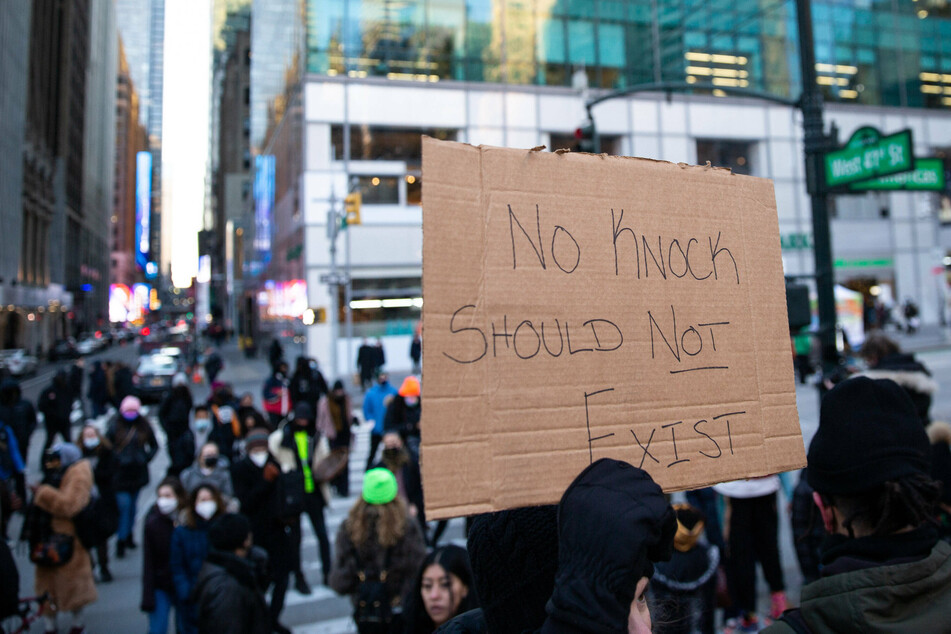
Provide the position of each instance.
(863, 263)
(928, 175)
(795, 241)
(869, 155)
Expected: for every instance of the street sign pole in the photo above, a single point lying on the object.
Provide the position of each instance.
(333, 226)
(816, 143)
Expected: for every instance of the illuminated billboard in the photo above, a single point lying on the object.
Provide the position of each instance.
(283, 300)
(129, 305)
(263, 207)
(143, 207)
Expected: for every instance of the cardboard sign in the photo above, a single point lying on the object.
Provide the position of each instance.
(582, 306)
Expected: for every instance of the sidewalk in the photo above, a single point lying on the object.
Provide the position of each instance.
(930, 337)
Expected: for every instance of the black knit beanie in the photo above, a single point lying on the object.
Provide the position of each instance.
(869, 433)
(303, 411)
(229, 532)
(514, 555)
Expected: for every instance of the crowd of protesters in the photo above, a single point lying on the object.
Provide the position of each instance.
(221, 545)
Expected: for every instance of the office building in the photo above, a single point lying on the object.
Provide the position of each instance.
(518, 74)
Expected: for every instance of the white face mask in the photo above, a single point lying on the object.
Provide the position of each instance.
(90, 443)
(206, 509)
(166, 506)
(259, 458)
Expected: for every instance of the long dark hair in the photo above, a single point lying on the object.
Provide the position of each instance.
(455, 561)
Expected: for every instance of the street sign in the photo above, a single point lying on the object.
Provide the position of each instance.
(869, 155)
(928, 175)
(333, 279)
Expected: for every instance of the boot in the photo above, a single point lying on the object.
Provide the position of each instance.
(120, 548)
(300, 583)
(104, 575)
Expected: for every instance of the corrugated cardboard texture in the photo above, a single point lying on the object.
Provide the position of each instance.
(582, 306)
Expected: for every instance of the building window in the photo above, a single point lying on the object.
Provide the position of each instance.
(379, 190)
(732, 154)
(371, 143)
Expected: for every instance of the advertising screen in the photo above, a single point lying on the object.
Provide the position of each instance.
(143, 207)
(263, 207)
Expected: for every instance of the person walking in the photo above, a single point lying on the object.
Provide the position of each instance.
(378, 542)
(416, 351)
(229, 593)
(404, 412)
(334, 419)
(213, 365)
(443, 590)
(257, 486)
(366, 362)
(210, 468)
(295, 447)
(135, 445)
(55, 403)
(375, 402)
(12, 477)
(306, 385)
(189, 547)
(98, 393)
(275, 354)
(276, 395)
(884, 566)
(158, 588)
(174, 414)
(18, 413)
(65, 491)
(98, 451)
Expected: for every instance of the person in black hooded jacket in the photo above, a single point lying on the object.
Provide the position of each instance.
(18, 413)
(229, 593)
(174, 414)
(613, 524)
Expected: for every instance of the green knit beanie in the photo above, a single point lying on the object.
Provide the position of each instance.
(379, 486)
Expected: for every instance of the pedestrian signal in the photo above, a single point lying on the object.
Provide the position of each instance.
(351, 205)
(585, 136)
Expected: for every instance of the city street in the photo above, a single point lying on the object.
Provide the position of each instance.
(323, 612)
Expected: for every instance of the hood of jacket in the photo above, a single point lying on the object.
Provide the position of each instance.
(900, 597)
(906, 371)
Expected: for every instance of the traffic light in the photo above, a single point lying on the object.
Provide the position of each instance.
(586, 137)
(351, 205)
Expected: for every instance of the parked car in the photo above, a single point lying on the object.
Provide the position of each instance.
(153, 377)
(63, 349)
(17, 362)
(88, 345)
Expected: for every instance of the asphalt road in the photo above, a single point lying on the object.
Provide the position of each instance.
(323, 612)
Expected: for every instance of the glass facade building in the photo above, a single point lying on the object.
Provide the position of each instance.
(876, 52)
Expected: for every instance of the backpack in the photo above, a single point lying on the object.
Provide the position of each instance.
(97, 522)
(372, 611)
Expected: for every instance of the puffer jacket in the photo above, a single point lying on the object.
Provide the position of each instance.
(229, 598)
(895, 595)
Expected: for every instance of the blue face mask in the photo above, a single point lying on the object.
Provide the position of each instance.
(203, 424)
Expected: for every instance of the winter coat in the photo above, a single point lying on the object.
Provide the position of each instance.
(98, 388)
(939, 433)
(220, 478)
(175, 411)
(375, 402)
(11, 460)
(261, 504)
(71, 585)
(75, 382)
(307, 386)
(336, 430)
(156, 556)
(135, 446)
(188, 550)
(403, 418)
(686, 586)
(283, 447)
(276, 395)
(866, 590)
(471, 622)
(103, 463)
(17, 412)
(55, 403)
(912, 375)
(405, 558)
(229, 598)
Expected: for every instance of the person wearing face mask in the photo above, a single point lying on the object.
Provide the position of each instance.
(255, 479)
(189, 547)
(334, 419)
(65, 491)
(403, 413)
(98, 451)
(135, 445)
(202, 425)
(443, 590)
(211, 468)
(158, 589)
(401, 463)
(374, 409)
(295, 448)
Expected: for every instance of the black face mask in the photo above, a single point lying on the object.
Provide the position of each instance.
(395, 456)
(211, 461)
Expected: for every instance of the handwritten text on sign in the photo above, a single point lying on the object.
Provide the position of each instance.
(583, 306)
